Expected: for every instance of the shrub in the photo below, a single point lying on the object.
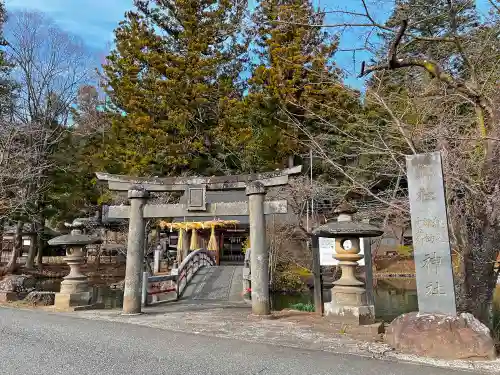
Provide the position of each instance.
(288, 281)
(303, 307)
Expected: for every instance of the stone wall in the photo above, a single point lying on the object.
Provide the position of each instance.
(91, 259)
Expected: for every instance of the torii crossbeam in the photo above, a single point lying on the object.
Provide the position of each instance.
(195, 189)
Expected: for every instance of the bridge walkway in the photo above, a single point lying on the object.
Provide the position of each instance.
(217, 283)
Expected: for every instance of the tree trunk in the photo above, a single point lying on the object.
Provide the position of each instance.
(16, 250)
(478, 283)
(97, 260)
(476, 239)
(30, 261)
(39, 240)
(2, 227)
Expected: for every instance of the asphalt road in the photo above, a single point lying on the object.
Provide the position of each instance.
(35, 342)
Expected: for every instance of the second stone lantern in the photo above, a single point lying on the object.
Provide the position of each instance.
(349, 302)
(75, 291)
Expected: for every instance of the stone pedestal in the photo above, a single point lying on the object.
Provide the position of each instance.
(350, 303)
(75, 291)
(68, 300)
(349, 299)
(350, 307)
(441, 336)
(75, 287)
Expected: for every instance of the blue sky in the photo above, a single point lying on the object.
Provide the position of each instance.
(95, 20)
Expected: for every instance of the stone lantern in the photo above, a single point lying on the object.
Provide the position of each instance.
(349, 302)
(74, 288)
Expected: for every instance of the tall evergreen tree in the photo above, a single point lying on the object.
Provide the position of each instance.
(7, 85)
(296, 84)
(175, 62)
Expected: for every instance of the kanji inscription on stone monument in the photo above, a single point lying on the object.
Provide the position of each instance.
(431, 245)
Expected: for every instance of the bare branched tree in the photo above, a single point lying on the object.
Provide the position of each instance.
(20, 164)
(49, 66)
(433, 88)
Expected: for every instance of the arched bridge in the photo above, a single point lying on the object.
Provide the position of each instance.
(198, 278)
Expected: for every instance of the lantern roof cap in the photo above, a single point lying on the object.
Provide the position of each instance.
(76, 237)
(347, 229)
(74, 240)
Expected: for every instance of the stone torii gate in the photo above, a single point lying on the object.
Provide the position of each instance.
(195, 189)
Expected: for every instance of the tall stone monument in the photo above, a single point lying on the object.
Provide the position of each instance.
(431, 245)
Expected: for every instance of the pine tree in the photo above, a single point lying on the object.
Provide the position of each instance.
(174, 63)
(431, 19)
(7, 85)
(296, 80)
(73, 191)
(88, 114)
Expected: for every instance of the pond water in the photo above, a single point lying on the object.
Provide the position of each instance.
(393, 297)
(102, 293)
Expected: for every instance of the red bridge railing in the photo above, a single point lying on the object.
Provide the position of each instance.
(156, 285)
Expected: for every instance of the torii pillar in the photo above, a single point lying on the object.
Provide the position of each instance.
(259, 256)
(135, 251)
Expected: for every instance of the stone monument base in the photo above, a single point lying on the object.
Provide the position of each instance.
(353, 315)
(69, 300)
(364, 332)
(349, 305)
(441, 336)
